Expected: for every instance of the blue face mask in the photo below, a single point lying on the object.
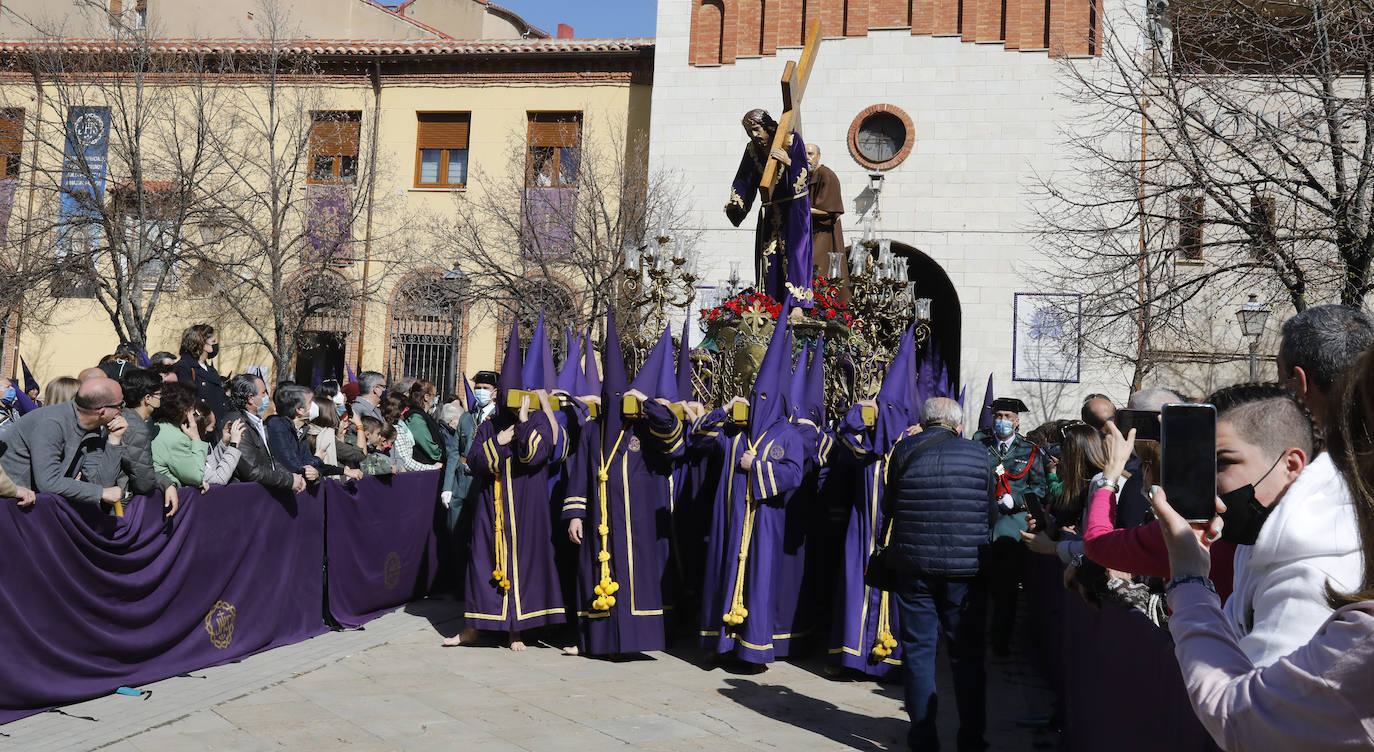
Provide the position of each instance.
(9, 395)
(339, 410)
(262, 409)
(1003, 428)
(482, 397)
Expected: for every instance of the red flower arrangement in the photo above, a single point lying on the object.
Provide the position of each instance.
(828, 306)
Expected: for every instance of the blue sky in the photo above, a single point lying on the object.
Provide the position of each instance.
(589, 18)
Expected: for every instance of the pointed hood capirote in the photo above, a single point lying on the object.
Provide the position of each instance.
(895, 396)
(571, 374)
(656, 378)
(796, 387)
(510, 374)
(467, 392)
(613, 384)
(684, 367)
(814, 401)
(768, 401)
(538, 371)
(591, 376)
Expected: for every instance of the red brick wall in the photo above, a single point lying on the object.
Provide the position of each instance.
(723, 29)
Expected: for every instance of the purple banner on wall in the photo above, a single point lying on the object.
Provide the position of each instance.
(547, 220)
(382, 543)
(329, 222)
(89, 602)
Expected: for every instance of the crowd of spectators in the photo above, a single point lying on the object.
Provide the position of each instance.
(120, 429)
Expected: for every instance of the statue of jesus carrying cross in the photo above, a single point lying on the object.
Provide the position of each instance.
(774, 167)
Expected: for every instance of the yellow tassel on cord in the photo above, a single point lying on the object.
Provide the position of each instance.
(605, 600)
(738, 613)
(498, 575)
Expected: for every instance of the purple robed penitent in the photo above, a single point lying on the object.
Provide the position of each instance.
(862, 614)
(512, 581)
(623, 474)
(746, 531)
(782, 240)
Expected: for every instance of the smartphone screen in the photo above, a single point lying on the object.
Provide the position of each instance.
(1145, 423)
(1188, 449)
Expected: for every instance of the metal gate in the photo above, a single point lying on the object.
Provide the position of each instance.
(426, 333)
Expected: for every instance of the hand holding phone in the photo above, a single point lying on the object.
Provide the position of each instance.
(1188, 466)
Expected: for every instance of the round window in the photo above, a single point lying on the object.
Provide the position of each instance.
(881, 136)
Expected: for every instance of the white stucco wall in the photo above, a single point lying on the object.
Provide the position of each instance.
(986, 123)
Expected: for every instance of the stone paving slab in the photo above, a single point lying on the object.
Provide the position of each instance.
(391, 687)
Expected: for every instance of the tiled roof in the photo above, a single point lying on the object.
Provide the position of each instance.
(367, 47)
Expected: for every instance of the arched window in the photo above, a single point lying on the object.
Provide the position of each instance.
(560, 309)
(426, 330)
(708, 33)
(328, 335)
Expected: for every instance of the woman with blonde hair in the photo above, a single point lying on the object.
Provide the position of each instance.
(60, 389)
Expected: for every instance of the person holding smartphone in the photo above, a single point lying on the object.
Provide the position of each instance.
(1316, 695)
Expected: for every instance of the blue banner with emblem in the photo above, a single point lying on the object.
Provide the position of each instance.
(84, 167)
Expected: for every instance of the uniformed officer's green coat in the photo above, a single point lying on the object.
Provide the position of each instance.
(1023, 482)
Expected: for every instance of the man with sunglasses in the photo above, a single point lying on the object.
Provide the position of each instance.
(72, 449)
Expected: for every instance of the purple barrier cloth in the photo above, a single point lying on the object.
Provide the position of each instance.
(90, 602)
(382, 542)
(1122, 688)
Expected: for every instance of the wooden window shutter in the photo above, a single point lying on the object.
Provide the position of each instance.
(443, 130)
(11, 131)
(555, 129)
(332, 135)
(116, 7)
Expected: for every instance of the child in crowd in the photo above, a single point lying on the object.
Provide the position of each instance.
(379, 439)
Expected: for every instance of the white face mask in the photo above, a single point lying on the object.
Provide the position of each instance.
(314, 411)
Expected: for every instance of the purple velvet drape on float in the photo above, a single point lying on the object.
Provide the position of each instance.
(89, 602)
(382, 542)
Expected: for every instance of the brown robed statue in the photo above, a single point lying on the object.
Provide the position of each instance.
(827, 236)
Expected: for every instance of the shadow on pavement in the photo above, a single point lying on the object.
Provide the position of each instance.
(853, 730)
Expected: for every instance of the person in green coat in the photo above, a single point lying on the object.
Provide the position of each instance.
(178, 450)
(1022, 474)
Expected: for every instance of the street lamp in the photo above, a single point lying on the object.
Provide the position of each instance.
(1252, 317)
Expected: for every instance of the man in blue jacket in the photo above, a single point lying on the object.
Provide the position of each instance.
(939, 498)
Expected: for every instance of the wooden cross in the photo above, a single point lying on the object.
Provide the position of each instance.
(794, 78)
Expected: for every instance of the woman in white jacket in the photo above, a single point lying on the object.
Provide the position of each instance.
(223, 457)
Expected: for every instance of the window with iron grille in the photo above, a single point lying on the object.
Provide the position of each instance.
(426, 333)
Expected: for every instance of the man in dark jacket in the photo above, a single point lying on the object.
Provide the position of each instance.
(248, 401)
(939, 498)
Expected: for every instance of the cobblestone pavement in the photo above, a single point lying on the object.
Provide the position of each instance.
(391, 687)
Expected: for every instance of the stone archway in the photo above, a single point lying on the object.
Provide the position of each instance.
(946, 315)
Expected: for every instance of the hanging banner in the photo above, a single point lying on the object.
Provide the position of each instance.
(329, 222)
(84, 166)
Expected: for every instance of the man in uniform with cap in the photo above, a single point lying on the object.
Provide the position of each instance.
(484, 394)
(1022, 481)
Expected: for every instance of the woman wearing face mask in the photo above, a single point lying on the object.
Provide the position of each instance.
(424, 429)
(1264, 440)
(179, 450)
(1317, 695)
(327, 436)
(199, 346)
(296, 406)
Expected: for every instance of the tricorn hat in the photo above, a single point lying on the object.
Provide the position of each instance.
(1008, 404)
